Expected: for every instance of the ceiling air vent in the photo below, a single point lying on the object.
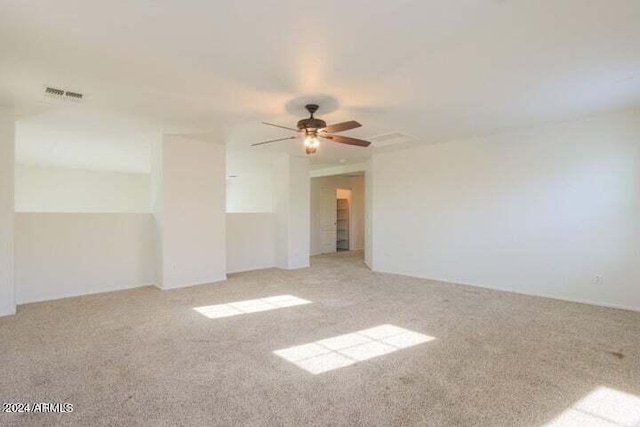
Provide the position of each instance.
(53, 91)
(66, 95)
(392, 138)
(74, 95)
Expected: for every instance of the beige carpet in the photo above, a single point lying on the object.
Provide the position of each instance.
(145, 357)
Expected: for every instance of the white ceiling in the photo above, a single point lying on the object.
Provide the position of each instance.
(79, 139)
(434, 70)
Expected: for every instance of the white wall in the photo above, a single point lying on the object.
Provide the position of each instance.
(78, 136)
(299, 205)
(344, 169)
(545, 211)
(191, 211)
(357, 226)
(7, 149)
(157, 205)
(60, 255)
(249, 182)
(291, 191)
(368, 216)
(53, 189)
(250, 241)
(267, 211)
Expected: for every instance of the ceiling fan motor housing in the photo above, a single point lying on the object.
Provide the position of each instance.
(311, 124)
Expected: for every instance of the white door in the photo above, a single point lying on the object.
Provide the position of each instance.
(328, 218)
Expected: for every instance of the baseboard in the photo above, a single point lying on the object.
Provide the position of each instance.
(519, 292)
(259, 267)
(188, 285)
(76, 294)
(7, 311)
(296, 267)
(559, 298)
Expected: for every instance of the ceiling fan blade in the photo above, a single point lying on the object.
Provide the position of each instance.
(347, 140)
(273, 140)
(278, 126)
(341, 127)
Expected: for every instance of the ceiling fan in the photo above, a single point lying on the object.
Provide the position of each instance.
(313, 128)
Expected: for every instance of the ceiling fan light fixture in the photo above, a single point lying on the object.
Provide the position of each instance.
(311, 144)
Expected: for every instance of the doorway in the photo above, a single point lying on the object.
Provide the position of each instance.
(327, 220)
(343, 219)
(337, 225)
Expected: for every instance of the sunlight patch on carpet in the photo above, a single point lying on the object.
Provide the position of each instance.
(603, 407)
(344, 350)
(250, 306)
